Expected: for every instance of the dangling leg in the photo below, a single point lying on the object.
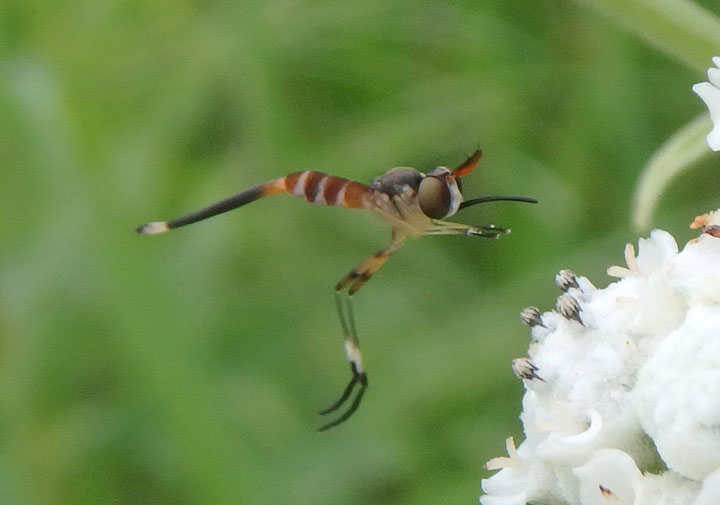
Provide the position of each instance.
(344, 290)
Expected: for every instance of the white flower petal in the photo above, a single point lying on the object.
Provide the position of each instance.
(677, 391)
(667, 488)
(714, 75)
(710, 490)
(567, 447)
(655, 251)
(609, 477)
(711, 96)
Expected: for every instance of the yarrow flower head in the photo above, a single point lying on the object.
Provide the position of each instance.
(710, 94)
(622, 401)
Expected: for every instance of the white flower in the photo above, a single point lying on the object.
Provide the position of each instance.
(623, 402)
(710, 94)
(710, 490)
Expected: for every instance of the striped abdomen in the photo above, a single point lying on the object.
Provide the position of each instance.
(314, 187)
(324, 189)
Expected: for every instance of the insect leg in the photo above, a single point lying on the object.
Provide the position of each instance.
(449, 228)
(344, 291)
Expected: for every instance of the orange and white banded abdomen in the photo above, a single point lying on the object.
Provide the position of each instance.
(323, 189)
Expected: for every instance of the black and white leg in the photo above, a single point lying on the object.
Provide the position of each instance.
(344, 292)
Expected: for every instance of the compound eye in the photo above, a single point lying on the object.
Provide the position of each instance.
(434, 197)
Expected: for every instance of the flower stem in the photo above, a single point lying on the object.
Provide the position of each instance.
(679, 28)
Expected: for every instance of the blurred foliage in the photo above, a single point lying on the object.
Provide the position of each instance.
(189, 367)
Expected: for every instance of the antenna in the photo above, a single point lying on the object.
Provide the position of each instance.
(485, 199)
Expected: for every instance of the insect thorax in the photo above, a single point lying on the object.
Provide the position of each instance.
(395, 199)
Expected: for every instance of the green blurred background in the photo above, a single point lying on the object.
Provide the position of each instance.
(188, 368)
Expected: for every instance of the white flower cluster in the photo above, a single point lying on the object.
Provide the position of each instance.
(622, 401)
(710, 94)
